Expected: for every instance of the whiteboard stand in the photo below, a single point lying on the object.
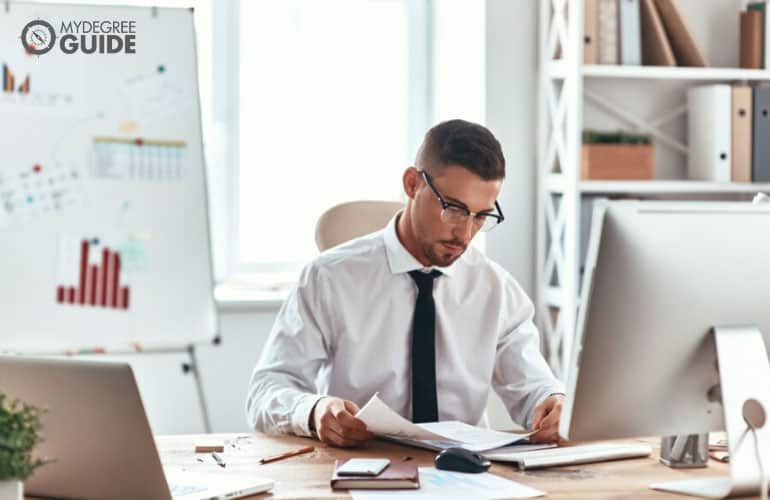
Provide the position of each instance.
(194, 368)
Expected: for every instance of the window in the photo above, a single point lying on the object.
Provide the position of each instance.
(323, 113)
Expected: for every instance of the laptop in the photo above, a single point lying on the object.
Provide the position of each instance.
(96, 430)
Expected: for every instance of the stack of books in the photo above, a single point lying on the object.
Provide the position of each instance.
(638, 32)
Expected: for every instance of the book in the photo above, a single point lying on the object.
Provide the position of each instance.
(751, 46)
(399, 475)
(709, 133)
(591, 32)
(630, 33)
(608, 31)
(683, 44)
(761, 7)
(741, 133)
(656, 49)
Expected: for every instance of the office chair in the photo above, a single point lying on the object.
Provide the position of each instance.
(349, 220)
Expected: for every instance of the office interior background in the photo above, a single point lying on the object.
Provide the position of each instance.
(307, 103)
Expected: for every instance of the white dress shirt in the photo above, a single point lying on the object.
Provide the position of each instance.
(345, 330)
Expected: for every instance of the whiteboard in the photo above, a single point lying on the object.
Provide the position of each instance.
(104, 233)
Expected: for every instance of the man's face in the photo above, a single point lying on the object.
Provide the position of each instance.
(442, 243)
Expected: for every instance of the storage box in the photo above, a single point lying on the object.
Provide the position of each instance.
(617, 162)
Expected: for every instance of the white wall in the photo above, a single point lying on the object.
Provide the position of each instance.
(510, 109)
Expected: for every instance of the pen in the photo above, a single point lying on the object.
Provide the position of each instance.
(267, 460)
(219, 460)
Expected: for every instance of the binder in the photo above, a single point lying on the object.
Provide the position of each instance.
(656, 49)
(761, 7)
(630, 33)
(608, 31)
(709, 133)
(760, 167)
(741, 133)
(591, 32)
(752, 29)
(685, 49)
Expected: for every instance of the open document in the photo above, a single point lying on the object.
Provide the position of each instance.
(380, 419)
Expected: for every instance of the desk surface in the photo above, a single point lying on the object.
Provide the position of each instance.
(307, 476)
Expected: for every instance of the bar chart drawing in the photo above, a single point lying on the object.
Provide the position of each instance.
(9, 82)
(38, 189)
(91, 274)
(139, 159)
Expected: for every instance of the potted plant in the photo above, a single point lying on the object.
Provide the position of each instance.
(617, 156)
(20, 428)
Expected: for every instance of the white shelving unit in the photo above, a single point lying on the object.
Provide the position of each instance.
(570, 94)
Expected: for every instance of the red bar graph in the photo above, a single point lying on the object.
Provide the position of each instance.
(83, 268)
(92, 280)
(105, 271)
(98, 284)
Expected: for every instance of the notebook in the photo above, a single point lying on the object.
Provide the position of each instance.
(401, 474)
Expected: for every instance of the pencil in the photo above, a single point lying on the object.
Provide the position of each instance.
(293, 453)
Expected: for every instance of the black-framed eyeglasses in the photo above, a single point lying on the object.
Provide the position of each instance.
(452, 213)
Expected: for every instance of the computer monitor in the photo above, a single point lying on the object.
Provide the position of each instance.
(659, 277)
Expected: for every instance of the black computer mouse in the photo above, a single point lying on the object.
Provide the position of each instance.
(461, 460)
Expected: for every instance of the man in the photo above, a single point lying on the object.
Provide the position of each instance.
(411, 312)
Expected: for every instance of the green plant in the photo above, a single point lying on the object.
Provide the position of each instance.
(20, 428)
(597, 137)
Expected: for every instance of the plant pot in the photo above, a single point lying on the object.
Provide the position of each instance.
(617, 162)
(11, 489)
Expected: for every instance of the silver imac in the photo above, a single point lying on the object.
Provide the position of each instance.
(672, 331)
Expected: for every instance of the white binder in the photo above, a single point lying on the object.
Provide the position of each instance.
(709, 133)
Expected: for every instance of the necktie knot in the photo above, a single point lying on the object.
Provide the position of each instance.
(423, 280)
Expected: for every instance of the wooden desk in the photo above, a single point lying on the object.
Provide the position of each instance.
(307, 476)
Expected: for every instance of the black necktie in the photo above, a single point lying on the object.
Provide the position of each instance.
(424, 400)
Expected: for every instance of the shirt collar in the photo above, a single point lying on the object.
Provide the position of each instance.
(401, 260)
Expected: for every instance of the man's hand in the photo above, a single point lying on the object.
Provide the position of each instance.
(336, 425)
(546, 420)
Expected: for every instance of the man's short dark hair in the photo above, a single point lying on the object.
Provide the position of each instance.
(465, 144)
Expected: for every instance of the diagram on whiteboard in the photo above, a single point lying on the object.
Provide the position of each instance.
(10, 82)
(29, 85)
(159, 92)
(139, 159)
(91, 274)
(37, 190)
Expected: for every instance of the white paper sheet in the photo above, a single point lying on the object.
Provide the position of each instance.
(382, 420)
(440, 484)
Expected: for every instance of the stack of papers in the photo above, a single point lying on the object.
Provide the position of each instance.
(441, 484)
(381, 420)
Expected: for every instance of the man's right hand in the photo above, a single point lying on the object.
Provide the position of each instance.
(336, 424)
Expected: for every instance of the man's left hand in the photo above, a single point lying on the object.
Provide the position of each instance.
(546, 418)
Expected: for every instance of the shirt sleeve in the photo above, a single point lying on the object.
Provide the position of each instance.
(283, 391)
(521, 377)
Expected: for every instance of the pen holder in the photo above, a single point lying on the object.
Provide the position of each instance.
(12, 489)
(688, 451)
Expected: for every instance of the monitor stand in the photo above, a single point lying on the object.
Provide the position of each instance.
(744, 374)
